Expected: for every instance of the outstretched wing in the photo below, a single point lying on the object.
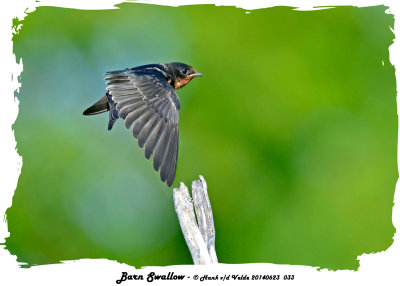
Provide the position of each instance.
(146, 100)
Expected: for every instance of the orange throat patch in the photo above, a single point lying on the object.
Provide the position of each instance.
(181, 82)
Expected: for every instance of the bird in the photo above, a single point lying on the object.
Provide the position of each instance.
(145, 97)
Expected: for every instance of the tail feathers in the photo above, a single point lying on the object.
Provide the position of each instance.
(99, 107)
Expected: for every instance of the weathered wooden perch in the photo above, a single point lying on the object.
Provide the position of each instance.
(200, 234)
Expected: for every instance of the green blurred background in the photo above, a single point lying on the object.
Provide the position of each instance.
(293, 126)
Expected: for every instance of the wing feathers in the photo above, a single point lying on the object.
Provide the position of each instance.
(153, 139)
(128, 101)
(144, 133)
(130, 108)
(168, 156)
(172, 169)
(140, 122)
(146, 101)
(134, 114)
(161, 146)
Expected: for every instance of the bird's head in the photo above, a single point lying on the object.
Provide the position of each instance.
(182, 74)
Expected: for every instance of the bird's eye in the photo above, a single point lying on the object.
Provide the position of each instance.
(184, 71)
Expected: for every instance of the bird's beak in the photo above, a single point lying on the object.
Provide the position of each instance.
(197, 74)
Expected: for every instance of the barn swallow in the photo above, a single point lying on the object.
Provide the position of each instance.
(145, 97)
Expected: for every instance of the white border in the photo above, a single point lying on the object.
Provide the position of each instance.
(380, 268)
